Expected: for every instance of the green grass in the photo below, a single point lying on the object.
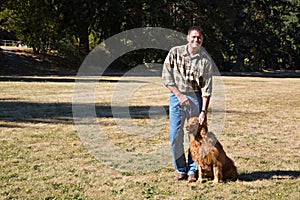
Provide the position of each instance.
(42, 156)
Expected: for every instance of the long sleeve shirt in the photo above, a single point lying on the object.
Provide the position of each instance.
(188, 74)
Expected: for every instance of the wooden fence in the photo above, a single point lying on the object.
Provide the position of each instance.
(12, 43)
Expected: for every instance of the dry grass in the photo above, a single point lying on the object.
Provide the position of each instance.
(42, 156)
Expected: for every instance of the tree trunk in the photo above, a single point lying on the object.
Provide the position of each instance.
(84, 39)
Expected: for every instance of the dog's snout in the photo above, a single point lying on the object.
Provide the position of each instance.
(187, 128)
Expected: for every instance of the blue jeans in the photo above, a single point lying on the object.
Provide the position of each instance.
(178, 115)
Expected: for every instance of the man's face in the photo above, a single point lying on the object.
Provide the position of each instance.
(195, 39)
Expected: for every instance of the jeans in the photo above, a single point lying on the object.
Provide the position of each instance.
(178, 115)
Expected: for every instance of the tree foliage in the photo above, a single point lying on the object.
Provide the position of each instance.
(33, 22)
(241, 35)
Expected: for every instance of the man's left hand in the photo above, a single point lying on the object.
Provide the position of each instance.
(202, 118)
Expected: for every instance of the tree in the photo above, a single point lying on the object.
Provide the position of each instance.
(241, 35)
(77, 17)
(268, 39)
(34, 23)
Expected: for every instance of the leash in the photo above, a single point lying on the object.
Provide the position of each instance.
(187, 109)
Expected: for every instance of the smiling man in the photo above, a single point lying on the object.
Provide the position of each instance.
(187, 73)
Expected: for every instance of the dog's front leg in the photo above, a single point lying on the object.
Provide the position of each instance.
(201, 175)
(217, 173)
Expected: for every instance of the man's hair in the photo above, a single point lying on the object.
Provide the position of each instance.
(195, 28)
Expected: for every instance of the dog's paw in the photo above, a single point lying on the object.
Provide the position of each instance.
(200, 180)
(216, 181)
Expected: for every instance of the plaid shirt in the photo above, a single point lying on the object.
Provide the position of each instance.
(188, 74)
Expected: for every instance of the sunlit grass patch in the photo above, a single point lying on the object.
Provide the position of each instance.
(43, 157)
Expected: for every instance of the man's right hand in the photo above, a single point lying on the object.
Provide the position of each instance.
(184, 101)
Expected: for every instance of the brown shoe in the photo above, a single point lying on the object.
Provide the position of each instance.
(192, 178)
(180, 177)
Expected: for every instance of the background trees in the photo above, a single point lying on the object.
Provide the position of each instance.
(241, 35)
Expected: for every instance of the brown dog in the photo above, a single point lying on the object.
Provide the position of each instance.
(208, 152)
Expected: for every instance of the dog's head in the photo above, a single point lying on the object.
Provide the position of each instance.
(193, 127)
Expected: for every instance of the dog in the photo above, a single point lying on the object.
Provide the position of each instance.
(209, 154)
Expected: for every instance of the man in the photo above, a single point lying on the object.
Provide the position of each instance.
(187, 73)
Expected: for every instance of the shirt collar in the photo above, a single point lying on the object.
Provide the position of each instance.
(187, 54)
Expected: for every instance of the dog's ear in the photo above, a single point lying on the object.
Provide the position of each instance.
(203, 130)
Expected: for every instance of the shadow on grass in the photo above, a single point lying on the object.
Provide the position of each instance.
(21, 111)
(20, 62)
(267, 175)
(283, 74)
(63, 79)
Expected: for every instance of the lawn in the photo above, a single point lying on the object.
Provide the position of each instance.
(43, 156)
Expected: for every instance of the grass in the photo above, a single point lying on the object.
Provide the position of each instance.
(43, 157)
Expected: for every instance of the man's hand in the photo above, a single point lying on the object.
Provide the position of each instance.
(184, 101)
(202, 118)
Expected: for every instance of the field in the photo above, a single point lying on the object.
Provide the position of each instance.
(43, 156)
